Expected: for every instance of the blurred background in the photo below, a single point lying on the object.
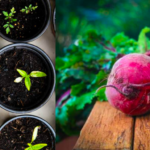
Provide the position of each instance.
(91, 36)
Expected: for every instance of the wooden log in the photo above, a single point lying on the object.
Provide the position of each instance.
(142, 133)
(106, 129)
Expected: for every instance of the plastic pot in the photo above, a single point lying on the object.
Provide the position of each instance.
(45, 25)
(50, 83)
(46, 124)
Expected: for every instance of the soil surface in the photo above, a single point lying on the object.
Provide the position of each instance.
(27, 25)
(16, 94)
(18, 133)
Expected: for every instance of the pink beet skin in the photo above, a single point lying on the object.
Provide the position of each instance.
(131, 75)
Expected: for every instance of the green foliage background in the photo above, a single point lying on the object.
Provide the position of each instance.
(91, 36)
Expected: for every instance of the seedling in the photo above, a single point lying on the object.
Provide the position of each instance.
(34, 136)
(9, 17)
(8, 26)
(27, 10)
(26, 77)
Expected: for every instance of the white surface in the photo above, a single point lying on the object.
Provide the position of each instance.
(47, 43)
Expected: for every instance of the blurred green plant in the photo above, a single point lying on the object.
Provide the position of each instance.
(83, 69)
(107, 16)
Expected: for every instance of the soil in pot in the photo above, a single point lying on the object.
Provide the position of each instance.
(27, 25)
(18, 133)
(16, 95)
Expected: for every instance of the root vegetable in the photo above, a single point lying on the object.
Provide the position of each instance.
(128, 86)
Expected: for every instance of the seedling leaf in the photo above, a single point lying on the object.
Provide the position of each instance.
(7, 30)
(5, 26)
(22, 72)
(5, 13)
(23, 10)
(11, 26)
(28, 82)
(10, 14)
(28, 9)
(27, 76)
(39, 146)
(18, 80)
(28, 148)
(14, 20)
(37, 74)
(6, 18)
(35, 133)
(13, 9)
(34, 136)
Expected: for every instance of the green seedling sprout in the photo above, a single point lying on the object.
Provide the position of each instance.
(26, 77)
(27, 10)
(9, 17)
(34, 136)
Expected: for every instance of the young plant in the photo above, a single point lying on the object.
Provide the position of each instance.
(34, 136)
(7, 26)
(9, 17)
(27, 10)
(26, 77)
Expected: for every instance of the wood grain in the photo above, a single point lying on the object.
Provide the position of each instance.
(142, 133)
(106, 129)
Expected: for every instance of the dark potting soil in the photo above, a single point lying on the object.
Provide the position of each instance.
(18, 133)
(16, 94)
(27, 25)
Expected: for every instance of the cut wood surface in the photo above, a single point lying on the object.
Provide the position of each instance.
(106, 129)
(142, 133)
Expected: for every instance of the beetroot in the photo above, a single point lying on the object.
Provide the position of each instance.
(128, 86)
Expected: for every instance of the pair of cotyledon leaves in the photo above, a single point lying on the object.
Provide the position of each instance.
(36, 146)
(26, 77)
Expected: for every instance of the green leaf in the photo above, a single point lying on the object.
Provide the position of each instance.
(5, 26)
(84, 75)
(30, 5)
(28, 82)
(22, 72)
(39, 146)
(11, 26)
(35, 133)
(99, 77)
(5, 13)
(76, 89)
(18, 80)
(6, 18)
(118, 39)
(37, 74)
(10, 14)
(28, 148)
(143, 41)
(30, 145)
(101, 95)
(13, 9)
(34, 8)
(7, 30)
(22, 10)
(27, 11)
(84, 99)
(14, 20)
(62, 63)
